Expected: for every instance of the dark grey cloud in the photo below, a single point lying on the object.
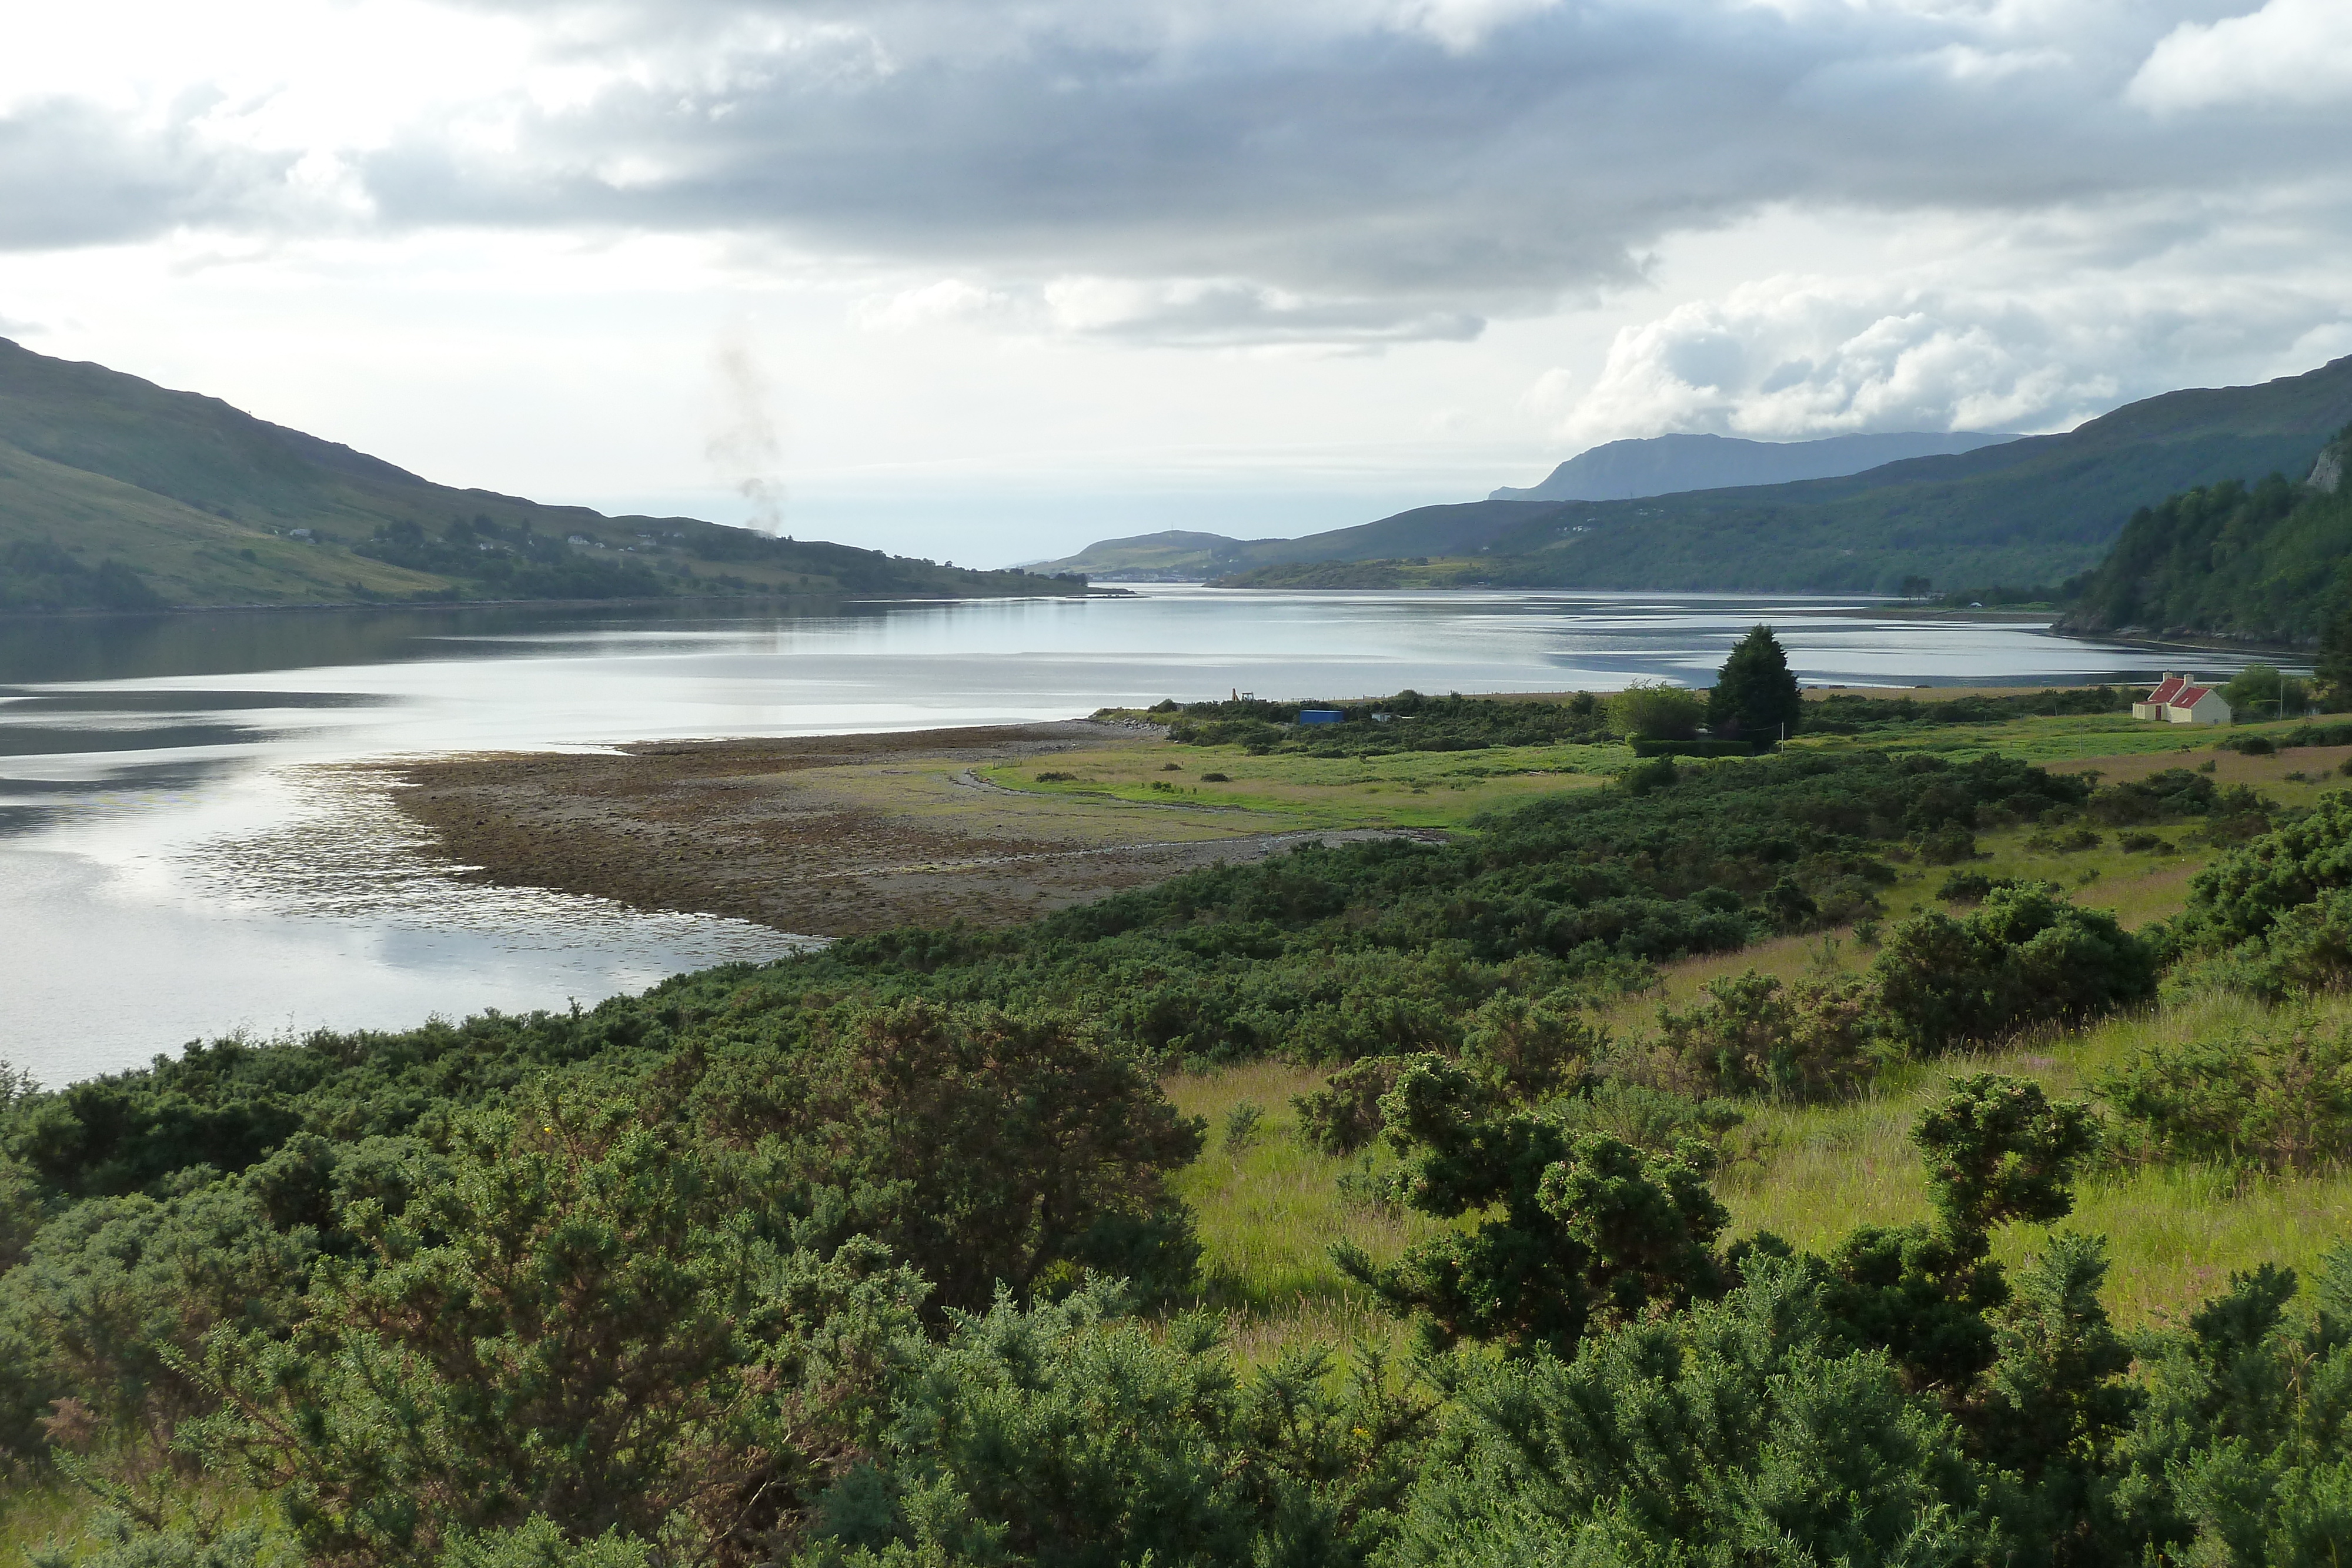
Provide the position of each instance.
(1359, 172)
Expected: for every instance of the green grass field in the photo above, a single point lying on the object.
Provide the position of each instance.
(1268, 1214)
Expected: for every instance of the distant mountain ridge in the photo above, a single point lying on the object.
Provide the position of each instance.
(119, 494)
(2037, 508)
(1669, 464)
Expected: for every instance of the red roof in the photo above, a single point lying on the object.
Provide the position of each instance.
(2188, 696)
(2164, 693)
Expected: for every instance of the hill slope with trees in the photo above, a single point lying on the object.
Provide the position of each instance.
(117, 494)
(2037, 509)
(2271, 562)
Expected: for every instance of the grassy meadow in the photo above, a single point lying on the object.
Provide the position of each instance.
(1270, 1210)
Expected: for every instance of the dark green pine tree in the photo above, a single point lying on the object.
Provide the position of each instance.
(1755, 694)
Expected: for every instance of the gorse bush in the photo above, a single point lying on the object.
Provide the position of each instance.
(1647, 711)
(1734, 1431)
(1811, 1039)
(1062, 1436)
(2278, 1097)
(1906, 1400)
(1586, 1230)
(2274, 918)
(980, 1146)
(817, 1262)
(575, 1319)
(2026, 955)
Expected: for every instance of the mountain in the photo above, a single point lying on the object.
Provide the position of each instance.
(1172, 555)
(1664, 464)
(116, 493)
(2035, 509)
(1176, 556)
(2271, 562)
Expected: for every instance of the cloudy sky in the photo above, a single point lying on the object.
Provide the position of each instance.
(984, 280)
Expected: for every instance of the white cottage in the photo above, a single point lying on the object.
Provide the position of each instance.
(2180, 700)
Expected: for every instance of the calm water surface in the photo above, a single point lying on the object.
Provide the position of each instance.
(195, 835)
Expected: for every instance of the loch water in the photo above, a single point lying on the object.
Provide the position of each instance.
(196, 837)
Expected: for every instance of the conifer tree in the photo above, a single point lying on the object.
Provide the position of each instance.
(1755, 694)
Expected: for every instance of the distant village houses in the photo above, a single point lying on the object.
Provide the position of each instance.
(2179, 699)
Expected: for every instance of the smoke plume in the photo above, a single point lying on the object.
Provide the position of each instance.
(746, 450)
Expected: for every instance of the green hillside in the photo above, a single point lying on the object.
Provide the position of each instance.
(2032, 510)
(2271, 562)
(1172, 555)
(117, 494)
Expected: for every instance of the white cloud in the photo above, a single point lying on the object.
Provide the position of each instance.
(2289, 53)
(1233, 312)
(1393, 170)
(984, 226)
(1795, 358)
(950, 301)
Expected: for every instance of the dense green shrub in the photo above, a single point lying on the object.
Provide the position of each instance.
(575, 1320)
(1523, 1052)
(1947, 843)
(1062, 1437)
(2025, 957)
(1738, 1432)
(1518, 1051)
(1996, 1150)
(1905, 1401)
(1584, 1230)
(1646, 749)
(2162, 796)
(2262, 691)
(1408, 722)
(1344, 1115)
(115, 1295)
(1646, 710)
(1845, 713)
(2278, 1097)
(1812, 1039)
(1654, 1120)
(982, 1147)
(1970, 887)
(2239, 898)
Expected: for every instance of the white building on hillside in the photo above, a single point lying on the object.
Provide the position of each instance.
(2180, 700)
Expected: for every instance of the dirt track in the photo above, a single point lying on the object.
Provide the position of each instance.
(830, 835)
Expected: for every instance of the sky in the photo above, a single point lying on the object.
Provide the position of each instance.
(984, 280)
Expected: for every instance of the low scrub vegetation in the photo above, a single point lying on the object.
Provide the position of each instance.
(877, 1256)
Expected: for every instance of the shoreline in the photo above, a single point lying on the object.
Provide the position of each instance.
(696, 599)
(830, 836)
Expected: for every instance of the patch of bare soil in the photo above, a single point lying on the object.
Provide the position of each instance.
(828, 835)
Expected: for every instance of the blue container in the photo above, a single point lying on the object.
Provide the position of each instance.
(1320, 715)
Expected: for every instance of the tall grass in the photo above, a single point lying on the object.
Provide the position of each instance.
(1269, 1213)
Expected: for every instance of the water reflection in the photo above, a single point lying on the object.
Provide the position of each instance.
(195, 832)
